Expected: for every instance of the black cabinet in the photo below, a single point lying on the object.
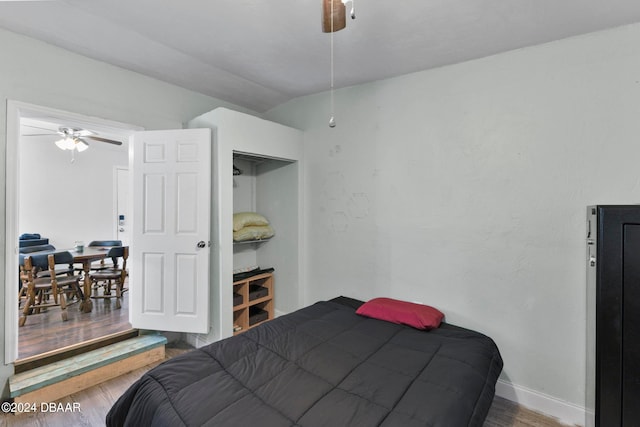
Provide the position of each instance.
(613, 315)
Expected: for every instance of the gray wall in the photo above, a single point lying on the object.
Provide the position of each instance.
(465, 188)
(37, 73)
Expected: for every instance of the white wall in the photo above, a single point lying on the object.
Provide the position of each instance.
(244, 200)
(465, 187)
(66, 201)
(278, 197)
(36, 73)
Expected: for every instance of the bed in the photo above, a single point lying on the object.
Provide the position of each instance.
(323, 365)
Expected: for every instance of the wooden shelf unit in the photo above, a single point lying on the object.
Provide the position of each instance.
(242, 311)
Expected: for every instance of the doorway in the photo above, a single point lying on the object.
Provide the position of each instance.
(73, 210)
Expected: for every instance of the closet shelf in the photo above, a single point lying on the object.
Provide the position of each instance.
(251, 241)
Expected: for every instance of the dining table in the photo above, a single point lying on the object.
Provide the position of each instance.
(86, 256)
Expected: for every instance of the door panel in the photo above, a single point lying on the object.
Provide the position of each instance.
(171, 200)
(153, 207)
(152, 284)
(186, 269)
(187, 218)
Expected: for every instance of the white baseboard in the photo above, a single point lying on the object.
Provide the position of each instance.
(565, 412)
(278, 313)
(191, 339)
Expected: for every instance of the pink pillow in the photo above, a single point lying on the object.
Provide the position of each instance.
(402, 312)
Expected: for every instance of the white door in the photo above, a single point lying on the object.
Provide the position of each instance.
(169, 256)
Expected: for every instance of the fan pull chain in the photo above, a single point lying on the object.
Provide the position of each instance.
(332, 119)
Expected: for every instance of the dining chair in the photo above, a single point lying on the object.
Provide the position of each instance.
(22, 290)
(32, 242)
(111, 280)
(62, 269)
(51, 291)
(23, 278)
(38, 248)
(105, 243)
(104, 263)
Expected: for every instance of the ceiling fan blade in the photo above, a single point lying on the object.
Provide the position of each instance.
(39, 134)
(41, 128)
(110, 141)
(339, 16)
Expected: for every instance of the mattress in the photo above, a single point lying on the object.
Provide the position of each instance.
(322, 365)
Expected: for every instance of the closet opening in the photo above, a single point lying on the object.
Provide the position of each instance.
(265, 206)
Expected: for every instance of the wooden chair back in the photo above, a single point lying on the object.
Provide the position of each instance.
(117, 253)
(55, 285)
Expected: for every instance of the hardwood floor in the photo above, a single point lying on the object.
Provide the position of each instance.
(45, 332)
(94, 403)
(504, 413)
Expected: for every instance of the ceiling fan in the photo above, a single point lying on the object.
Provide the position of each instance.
(72, 139)
(75, 138)
(334, 15)
(334, 18)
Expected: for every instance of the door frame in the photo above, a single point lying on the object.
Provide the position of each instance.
(241, 133)
(15, 111)
(116, 198)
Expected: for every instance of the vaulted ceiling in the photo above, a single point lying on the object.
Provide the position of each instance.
(260, 53)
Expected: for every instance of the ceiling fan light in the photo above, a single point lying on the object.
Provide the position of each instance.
(81, 146)
(69, 143)
(65, 143)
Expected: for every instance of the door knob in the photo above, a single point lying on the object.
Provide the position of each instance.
(201, 244)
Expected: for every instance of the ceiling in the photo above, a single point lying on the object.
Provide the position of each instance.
(260, 53)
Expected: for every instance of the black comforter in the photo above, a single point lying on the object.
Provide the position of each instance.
(322, 365)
